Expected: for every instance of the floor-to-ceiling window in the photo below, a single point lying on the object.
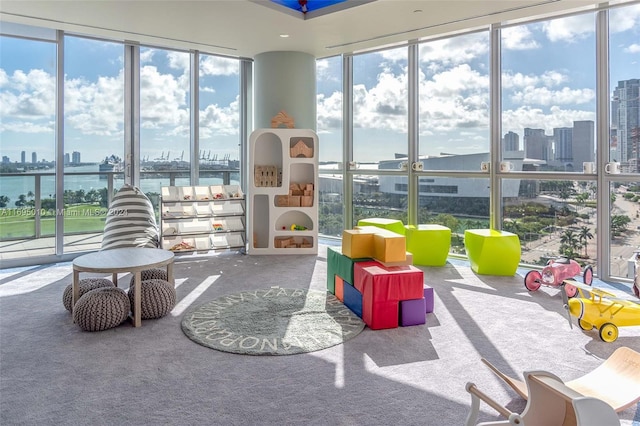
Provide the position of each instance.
(165, 148)
(28, 147)
(329, 128)
(219, 120)
(93, 135)
(380, 123)
(624, 147)
(453, 111)
(540, 153)
(548, 81)
(118, 113)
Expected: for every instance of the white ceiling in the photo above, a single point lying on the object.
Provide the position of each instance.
(245, 27)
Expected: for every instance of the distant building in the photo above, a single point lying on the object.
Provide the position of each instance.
(537, 145)
(75, 157)
(625, 119)
(584, 133)
(5, 159)
(34, 157)
(563, 144)
(511, 142)
(23, 157)
(66, 158)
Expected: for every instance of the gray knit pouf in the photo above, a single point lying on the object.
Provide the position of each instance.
(157, 298)
(85, 285)
(101, 309)
(151, 274)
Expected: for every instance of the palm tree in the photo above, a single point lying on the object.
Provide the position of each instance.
(569, 243)
(585, 235)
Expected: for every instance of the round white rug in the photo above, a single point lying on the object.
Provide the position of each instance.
(274, 321)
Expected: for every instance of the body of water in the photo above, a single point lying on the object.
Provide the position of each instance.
(13, 186)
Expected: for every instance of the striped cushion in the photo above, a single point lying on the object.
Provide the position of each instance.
(131, 221)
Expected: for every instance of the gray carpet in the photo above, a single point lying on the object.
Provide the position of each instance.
(51, 372)
(274, 321)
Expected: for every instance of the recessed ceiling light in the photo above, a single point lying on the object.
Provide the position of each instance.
(284, 35)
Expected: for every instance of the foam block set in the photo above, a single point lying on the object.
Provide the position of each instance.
(383, 296)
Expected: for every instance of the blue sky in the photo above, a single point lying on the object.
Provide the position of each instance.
(548, 81)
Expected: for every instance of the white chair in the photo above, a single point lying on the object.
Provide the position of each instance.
(550, 403)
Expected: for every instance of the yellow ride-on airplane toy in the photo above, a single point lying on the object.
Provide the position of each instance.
(599, 309)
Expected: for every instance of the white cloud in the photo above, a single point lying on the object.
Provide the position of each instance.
(544, 96)
(624, 18)
(329, 111)
(213, 65)
(519, 80)
(526, 116)
(216, 120)
(570, 29)
(439, 54)
(518, 38)
(634, 48)
(27, 96)
(95, 108)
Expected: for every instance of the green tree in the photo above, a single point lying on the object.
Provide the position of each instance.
(569, 243)
(584, 236)
(4, 200)
(22, 200)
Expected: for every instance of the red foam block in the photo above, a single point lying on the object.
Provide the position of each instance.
(379, 283)
(380, 315)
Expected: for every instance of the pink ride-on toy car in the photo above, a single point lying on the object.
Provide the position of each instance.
(556, 271)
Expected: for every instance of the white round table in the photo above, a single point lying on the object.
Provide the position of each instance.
(130, 259)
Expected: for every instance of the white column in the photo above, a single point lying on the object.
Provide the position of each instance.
(285, 81)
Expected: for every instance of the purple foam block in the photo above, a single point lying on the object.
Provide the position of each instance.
(428, 297)
(412, 312)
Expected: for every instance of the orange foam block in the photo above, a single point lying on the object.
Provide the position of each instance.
(339, 288)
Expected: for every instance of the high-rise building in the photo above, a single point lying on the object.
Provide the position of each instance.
(625, 119)
(66, 158)
(34, 157)
(537, 145)
(563, 141)
(75, 157)
(23, 157)
(584, 133)
(511, 141)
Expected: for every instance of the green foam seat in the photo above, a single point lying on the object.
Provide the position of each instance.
(492, 252)
(429, 244)
(393, 225)
(340, 265)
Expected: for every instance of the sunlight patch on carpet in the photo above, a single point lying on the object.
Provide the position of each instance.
(274, 321)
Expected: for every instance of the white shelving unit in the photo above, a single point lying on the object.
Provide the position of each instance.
(282, 192)
(202, 218)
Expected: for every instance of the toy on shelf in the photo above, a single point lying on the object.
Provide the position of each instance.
(300, 149)
(616, 381)
(555, 272)
(282, 119)
(602, 310)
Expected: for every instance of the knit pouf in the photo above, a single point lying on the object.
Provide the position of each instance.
(101, 309)
(85, 285)
(157, 298)
(151, 274)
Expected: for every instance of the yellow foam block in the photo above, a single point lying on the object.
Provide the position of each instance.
(389, 246)
(357, 243)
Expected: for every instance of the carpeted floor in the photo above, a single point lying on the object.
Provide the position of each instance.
(53, 373)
